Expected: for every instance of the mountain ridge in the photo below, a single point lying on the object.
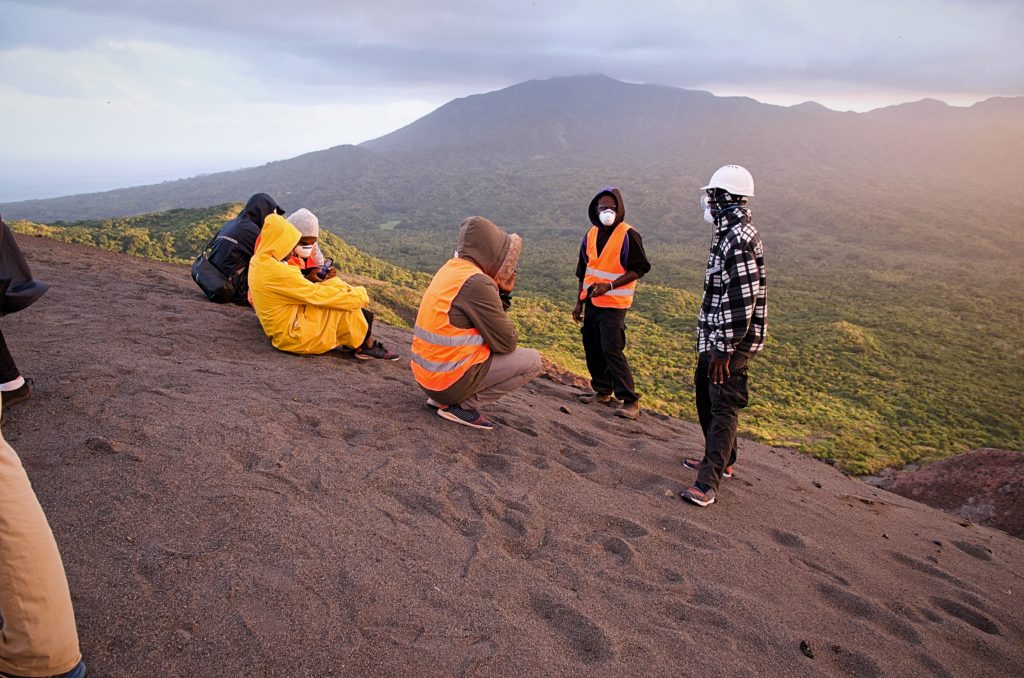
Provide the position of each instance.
(568, 120)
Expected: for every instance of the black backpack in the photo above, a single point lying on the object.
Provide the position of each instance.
(17, 288)
(214, 284)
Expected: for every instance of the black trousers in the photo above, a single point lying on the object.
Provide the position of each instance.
(8, 370)
(240, 285)
(604, 340)
(368, 314)
(718, 408)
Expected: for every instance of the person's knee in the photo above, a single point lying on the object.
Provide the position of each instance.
(613, 341)
(531, 358)
(725, 406)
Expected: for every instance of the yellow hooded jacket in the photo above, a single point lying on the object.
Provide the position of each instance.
(301, 316)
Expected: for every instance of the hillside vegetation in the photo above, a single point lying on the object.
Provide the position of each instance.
(873, 368)
(892, 239)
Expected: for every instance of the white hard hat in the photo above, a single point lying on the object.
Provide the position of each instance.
(732, 178)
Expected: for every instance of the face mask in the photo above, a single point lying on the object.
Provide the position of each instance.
(303, 251)
(607, 217)
(708, 217)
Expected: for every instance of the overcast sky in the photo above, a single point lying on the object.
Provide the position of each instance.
(102, 93)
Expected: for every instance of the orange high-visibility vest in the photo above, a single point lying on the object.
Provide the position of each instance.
(607, 267)
(441, 352)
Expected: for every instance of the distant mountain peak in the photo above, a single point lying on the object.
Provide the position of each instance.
(813, 106)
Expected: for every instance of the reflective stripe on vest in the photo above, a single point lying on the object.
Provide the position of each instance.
(441, 352)
(608, 267)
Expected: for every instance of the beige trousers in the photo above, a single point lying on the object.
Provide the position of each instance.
(38, 635)
(508, 371)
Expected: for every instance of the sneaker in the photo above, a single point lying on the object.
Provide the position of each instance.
(694, 463)
(465, 417)
(433, 403)
(23, 392)
(600, 398)
(628, 410)
(698, 496)
(377, 351)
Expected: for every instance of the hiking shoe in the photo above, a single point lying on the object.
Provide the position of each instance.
(433, 403)
(465, 417)
(698, 496)
(23, 392)
(377, 351)
(600, 398)
(693, 463)
(628, 410)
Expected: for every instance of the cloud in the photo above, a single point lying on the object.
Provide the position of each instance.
(462, 45)
(193, 78)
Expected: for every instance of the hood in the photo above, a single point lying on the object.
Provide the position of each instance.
(278, 238)
(620, 212)
(484, 244)
(13, 267)
(306, 222)
(259, 207)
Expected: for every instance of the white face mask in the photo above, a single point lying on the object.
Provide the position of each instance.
(303, 251)
(708, 217)
(607, 217)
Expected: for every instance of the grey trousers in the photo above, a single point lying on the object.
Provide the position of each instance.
(508, 371)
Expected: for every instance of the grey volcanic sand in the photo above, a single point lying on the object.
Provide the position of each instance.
(227, 509)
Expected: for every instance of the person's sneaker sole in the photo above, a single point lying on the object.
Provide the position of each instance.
(445, 414)
(363, 356)
(694, 500)
(433, 403)
(599, 400)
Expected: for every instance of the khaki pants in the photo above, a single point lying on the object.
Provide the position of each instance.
(38, 635)
(508, 371)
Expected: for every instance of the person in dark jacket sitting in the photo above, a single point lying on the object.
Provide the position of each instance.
(235, 243)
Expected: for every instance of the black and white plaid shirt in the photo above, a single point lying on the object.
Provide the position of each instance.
(734, 312)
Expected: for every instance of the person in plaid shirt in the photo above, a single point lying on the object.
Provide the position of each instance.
(730, 328)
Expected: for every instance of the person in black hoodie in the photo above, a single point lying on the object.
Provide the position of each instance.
(607, 283)
(234, 244)
(17, 291)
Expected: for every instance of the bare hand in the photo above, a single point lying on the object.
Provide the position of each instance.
(577, 312)
(601, 288)
(718, 369)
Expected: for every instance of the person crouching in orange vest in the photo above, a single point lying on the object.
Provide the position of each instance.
(611, 260)
(464, 347)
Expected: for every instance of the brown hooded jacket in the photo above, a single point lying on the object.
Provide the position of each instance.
(477, 305)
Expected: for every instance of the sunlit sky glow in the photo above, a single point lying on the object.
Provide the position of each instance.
(100, 93)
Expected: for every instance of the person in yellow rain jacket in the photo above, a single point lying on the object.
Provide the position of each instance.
(302, 316)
